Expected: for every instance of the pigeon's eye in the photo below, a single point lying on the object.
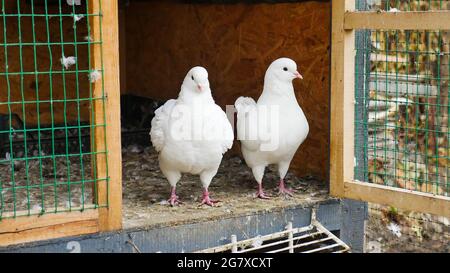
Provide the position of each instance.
(192, 77)
(285, 69)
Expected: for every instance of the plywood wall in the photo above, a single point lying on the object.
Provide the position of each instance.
(236, 43)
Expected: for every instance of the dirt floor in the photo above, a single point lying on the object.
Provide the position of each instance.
(146, 191)
(67, 184)
(45, 185)
(390, 230)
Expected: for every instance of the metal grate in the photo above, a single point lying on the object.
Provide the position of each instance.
(310, 239)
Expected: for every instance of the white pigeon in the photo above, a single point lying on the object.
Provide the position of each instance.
(191, 134)
(272, 129)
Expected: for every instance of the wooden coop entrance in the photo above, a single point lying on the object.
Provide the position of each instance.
(59, 105)
(61, 81)
(153, 62)
(224, 39)
(389, 99)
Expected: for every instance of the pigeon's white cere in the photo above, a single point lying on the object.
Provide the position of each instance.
(191, 133)
(272, 129)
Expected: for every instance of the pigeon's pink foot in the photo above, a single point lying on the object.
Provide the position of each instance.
(207, 200)
(282, 189)
(174, 200)
(261, 194)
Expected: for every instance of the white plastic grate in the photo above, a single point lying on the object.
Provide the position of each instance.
(309, 239)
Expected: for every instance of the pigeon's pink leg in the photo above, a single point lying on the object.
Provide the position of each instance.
(173, 200)
(260, 193)
(207, 200)
(283, 190)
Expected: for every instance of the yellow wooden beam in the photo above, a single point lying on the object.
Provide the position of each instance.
(26, 229)
(342, 97)
(109, 165)
(413, 20)
(399, 198)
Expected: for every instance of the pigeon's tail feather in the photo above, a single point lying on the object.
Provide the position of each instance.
(244, 104)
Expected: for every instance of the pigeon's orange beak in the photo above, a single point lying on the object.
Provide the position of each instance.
(298, 75)
(199, 87)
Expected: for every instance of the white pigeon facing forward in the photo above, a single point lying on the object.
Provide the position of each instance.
(191, 134)
(272, 129)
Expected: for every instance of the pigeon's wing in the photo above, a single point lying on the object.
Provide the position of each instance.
(226, 128)
(247, 131)
(160, 123)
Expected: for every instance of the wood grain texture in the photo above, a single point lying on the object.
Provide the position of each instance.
(236, 43)
(429, 20)
(342, 99)
(110, 164)
(398, 198)
(49, 226)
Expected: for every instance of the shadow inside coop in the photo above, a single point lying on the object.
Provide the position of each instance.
(145, 189)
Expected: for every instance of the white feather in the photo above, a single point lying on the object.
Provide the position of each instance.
(94, 76)
(77, 17)
(395, 229)
(160, 124)
(67, 62)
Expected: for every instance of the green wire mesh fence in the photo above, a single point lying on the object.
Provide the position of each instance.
(47, 99)
(402, 105)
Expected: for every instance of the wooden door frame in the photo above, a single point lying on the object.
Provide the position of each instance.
(345, 21)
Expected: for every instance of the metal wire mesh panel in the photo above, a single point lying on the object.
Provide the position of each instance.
(402, 104)
(47, 120)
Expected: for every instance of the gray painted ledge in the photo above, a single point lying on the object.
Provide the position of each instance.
(347, 218)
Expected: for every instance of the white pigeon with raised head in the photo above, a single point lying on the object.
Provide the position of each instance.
(191, 134)
(272, 129)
